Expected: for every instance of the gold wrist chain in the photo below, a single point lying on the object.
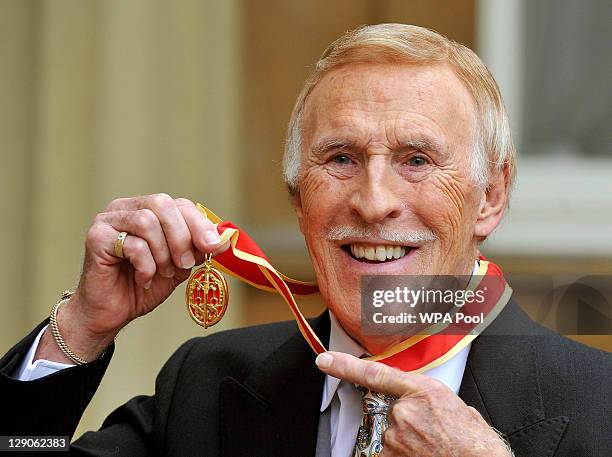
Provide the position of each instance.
(57, 335)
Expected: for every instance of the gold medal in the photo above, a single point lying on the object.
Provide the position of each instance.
(207, 294)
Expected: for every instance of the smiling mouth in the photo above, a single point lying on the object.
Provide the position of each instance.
(376, 254)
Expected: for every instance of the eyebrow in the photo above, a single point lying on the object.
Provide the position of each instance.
(430, 145)
(423, 144)
(326, 145)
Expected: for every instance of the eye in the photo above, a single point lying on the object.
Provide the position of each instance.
(342, 159)
(417, 161)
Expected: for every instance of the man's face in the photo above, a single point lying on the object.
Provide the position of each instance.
(385, 173)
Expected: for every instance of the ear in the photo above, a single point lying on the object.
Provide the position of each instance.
(296, 202)
(492, 204)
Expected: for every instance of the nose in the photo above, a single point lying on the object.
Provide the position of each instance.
(376, 197)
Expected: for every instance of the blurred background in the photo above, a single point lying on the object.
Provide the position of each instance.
(102, 99)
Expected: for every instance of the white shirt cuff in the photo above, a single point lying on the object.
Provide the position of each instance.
(29, 371)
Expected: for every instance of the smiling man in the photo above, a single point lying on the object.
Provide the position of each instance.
(389, 152)
(399, 161)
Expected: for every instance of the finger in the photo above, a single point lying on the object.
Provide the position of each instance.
(174, 226)
(127, 203)
(144, 224)
(402, 411)
(192, 217)
(374, 375)
(137, 252)
(391, 444)
(203, 232)
(101, 241)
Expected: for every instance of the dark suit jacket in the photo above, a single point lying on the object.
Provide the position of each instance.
(256, 392)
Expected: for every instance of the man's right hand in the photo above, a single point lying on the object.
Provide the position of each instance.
(166, 238)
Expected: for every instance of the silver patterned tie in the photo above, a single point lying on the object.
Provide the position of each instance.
(373, 423)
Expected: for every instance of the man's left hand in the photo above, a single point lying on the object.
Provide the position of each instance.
(427, 418)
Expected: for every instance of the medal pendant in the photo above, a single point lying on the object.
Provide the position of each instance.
(207, 294)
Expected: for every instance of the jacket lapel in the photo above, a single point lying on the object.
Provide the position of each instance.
(502, 382)
(275, 411)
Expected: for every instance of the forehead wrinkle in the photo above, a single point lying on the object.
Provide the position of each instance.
(345, 130)
(348, 101)
(426, 136)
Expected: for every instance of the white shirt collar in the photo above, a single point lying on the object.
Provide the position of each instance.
(339, 341)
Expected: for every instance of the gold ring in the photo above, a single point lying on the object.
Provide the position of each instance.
(119, 244)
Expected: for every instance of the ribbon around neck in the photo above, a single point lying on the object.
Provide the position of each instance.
(246, 261)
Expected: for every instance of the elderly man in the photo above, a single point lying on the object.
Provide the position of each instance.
(399, 160)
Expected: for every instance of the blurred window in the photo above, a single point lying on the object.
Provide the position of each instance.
(567, 107)
(552, 61)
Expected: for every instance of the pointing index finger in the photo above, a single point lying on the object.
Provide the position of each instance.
(374, 375)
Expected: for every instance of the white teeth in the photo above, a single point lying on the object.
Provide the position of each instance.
(355, 250)
(378, 253)
(370, 254)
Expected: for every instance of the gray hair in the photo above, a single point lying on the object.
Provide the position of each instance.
(391, 43)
